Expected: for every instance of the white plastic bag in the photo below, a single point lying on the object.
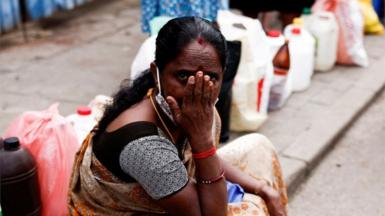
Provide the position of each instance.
(144, 57)
(255, 71)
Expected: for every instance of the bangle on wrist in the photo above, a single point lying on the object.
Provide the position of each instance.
(213, 180)
(205, 154)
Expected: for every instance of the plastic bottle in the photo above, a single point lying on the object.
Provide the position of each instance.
(19, 181)
(307, 17)
(280, 88)
(275, 40)
(302, 47)
(324, 28)
(83, 122)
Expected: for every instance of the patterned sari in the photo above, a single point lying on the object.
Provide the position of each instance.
(96, 191)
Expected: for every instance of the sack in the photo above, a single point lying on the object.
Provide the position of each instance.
(255, 71)
(372, 24)
(53, 143)
(351, 27)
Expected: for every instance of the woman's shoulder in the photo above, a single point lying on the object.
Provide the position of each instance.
(140, 112)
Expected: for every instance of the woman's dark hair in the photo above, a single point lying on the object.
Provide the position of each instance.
(172, 38)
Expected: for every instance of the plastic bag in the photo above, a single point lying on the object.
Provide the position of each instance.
(372, 24)
(235, 192)
(53, 143)
(255, 71)
(98, 105)
(351, 26)
(144, 57)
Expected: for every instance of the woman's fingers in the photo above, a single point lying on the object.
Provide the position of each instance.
(213, 99)
(176, 111)
(189, 91)
(198, 87)
(207, 90)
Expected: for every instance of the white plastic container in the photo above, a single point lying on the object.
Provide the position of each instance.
(281, 87)
(275, 40)
(306, 17)
(302, 48)
(83, 122)
(324, 27)
(255, 71)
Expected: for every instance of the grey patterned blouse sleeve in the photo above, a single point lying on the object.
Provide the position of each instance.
(153, 161)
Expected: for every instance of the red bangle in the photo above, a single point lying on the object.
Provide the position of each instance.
(205, 154)
(211, 181)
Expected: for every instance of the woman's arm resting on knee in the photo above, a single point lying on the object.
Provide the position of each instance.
(255, 186)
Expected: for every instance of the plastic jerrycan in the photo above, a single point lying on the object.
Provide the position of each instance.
(281, 87)
(83, 122)
(19, 181)
(302, 49)
(324, 28)
(275, 40)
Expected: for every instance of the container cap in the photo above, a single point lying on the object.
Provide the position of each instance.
(11, 143)
(274, 33)
(306, 11)
(298, 21)
(296, 31)
(83, 110)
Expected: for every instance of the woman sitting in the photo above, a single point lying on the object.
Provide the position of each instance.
(154, 151)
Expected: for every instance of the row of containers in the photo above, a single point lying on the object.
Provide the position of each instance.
(12, 11)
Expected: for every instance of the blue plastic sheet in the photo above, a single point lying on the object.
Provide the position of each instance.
(378, 7)
(40, 8)
(65, 4)
(44, 8)
(36, 9)
(235, 192)
(9, 14)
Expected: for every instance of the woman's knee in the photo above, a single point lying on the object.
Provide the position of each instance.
(259, 140)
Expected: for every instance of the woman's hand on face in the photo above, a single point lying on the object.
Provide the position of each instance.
(196, 113)
(272, 200)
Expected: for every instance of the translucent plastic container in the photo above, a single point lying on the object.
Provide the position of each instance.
(275, 40)
(83, 122)
(324, 27)
(302, 48)
(280, 88)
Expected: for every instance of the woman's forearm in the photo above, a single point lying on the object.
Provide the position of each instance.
(248, 183)
(212, 197)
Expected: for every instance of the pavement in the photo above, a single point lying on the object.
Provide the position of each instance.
(349, 181)
(76, 55)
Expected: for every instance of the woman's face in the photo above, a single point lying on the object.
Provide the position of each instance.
(196, 56)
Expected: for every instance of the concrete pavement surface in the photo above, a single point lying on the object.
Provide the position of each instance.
(351, 179)
(77, 55)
